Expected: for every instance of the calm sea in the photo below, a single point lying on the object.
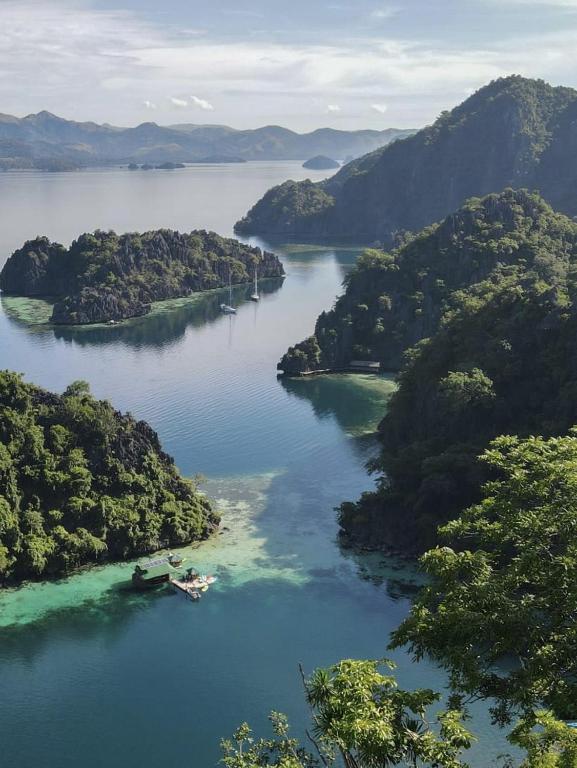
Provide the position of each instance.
(94, 675)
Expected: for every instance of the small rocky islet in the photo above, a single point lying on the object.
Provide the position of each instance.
(321, 163)
(105, 277)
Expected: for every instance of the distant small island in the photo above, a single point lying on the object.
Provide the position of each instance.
(51, 164)
(214, 159)
(321, 163)
(104, 276)
(85, 484)
(168, 166)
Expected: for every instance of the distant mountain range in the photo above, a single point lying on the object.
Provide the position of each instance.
(513, 132)
(47, 141)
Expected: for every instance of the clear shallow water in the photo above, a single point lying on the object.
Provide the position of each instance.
(92, 674)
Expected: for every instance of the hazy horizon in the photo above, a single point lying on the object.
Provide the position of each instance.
(371, 64)
(212, 124)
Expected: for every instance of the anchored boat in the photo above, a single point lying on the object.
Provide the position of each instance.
(255, 296)
(228, 309)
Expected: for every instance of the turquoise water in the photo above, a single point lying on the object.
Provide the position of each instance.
(92, 674)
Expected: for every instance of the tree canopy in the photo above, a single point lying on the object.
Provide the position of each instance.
(81, 482)
(361, 717)
(500, 612)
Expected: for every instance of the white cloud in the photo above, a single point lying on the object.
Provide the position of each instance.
(149, 104)
(201, 103)
(103, 65)
(385, 12)
(544, 3)
(333, 108)
(380, 108)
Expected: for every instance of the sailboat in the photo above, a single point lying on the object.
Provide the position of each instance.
(228, 309)
(255, 296)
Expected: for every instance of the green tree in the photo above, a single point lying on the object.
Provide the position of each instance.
(500, 611)
(547, 742)
(361, 717)
(282, 751)
(79, 388)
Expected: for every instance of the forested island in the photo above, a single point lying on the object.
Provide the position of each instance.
(513, 132)
(485, 304)
(167, 166)
(220, 159)
(103, 276)
(321, 163)
(82, 483)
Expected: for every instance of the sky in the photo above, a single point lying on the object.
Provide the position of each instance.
(303, 64)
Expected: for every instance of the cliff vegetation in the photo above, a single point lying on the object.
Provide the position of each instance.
(82, 483)
(513, 132)
(104, 276)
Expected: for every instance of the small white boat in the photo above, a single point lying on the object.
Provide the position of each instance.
(228, 309)
(255, 296)
(203, 582)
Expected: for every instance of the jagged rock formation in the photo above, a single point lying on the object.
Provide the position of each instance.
(514, 132)
(104, 276)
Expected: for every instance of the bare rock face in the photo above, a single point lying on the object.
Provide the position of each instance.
(104, 276)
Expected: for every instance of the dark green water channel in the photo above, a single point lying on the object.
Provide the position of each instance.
(93, 675)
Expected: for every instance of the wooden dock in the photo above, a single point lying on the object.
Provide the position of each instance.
(183, 586)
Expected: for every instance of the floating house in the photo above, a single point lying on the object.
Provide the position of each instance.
(154, 572)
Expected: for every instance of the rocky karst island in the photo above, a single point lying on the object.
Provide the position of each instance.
(103, 276)
(85, 484)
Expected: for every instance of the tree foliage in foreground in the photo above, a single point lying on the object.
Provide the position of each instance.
(500, 613)
(547, 742)
(362, 719)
